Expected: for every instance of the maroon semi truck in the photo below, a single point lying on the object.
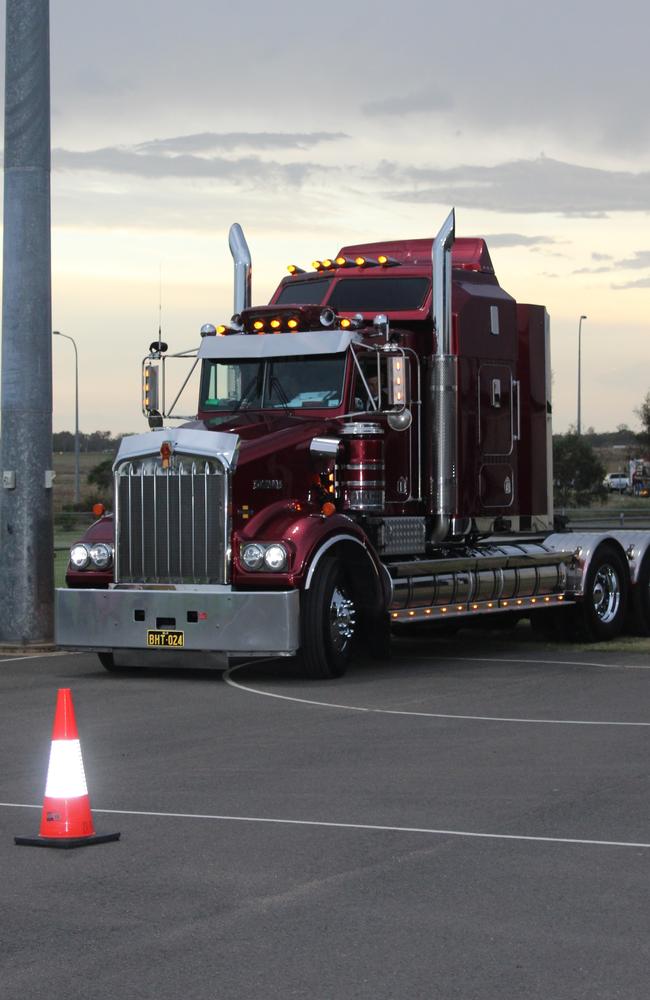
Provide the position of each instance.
(371, 449)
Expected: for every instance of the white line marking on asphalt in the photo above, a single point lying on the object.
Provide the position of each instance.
(425, 715)
(557, 663)
(353, 826)
(37, 656)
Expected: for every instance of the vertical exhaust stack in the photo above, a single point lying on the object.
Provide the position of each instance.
(444, 388)
(243, 267)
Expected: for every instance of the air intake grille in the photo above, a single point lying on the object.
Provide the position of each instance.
(171, 523)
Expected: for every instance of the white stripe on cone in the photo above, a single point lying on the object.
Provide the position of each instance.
(65, 773)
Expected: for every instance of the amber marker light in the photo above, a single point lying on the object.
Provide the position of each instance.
(327, 263)
(292, 324)
(328, 509)
(221, 330)
(346, 323)
(359, 261)
(275, 324)
(98, 509)
(340, 261)
(317, 265)
(294, 269)
(258, 325)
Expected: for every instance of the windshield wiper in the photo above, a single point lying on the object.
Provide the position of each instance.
(277, 385)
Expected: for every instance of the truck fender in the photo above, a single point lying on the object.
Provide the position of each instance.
(584, 545)
(354, 550)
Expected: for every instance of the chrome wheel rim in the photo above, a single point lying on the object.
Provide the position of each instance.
(342, 620)
(606, 593)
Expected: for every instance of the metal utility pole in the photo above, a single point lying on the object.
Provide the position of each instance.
(26, 522)
(579, 369)
(77, 487)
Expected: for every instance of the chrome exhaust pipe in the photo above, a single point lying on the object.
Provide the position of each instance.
(243, 267)
(444, 389)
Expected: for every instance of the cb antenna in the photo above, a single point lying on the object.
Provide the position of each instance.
(159, 346)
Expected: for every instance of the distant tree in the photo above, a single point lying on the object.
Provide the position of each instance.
(578, 473)
(643, 413)
(101, 476)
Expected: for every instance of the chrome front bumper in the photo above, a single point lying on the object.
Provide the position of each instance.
(212, 619)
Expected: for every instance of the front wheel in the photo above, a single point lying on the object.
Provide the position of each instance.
(329, 621)
(641, 600)
(601, 614)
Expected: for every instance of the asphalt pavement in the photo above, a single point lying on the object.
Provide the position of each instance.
(469, 820)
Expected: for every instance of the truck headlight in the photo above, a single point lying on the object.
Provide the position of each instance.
(101, 555)
(79, 556)
(252, 556)
(275, 558)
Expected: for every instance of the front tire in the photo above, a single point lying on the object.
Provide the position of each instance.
(601, 613)
(329, 622)
(641, 600)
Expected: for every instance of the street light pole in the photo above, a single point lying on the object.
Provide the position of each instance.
(77, 492)
(579, 368)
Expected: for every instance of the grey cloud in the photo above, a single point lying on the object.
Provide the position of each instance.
(502, 240)
(526, 186)
(123, 160)
(426, 100)
(592, 270)
(207, 142)
(601, 256)
(641, 283)
(641, 259)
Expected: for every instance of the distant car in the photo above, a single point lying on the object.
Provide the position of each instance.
(616, 483)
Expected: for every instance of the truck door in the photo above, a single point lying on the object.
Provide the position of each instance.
(495, 431)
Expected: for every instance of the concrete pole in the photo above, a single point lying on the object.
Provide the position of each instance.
(26, 521)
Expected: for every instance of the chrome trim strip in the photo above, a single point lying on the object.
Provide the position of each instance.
(323, 549)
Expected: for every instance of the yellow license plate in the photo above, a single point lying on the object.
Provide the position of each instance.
(161, 637)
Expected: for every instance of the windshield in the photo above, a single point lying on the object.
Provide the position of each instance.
(313, 382)
(304, 293)
(378, 294)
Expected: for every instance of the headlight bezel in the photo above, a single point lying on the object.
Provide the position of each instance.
(83, 561)
(260, 563)
(87, 562)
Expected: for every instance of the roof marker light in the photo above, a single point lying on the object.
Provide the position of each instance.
(275, 324)
(258, 325)
(385, 261)
(327, 263)
(346, 324)
(317, 265)
(366, 262)
(294, 269)
(221, 330)
(292, 324)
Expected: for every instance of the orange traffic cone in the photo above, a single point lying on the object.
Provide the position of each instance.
(66, 820)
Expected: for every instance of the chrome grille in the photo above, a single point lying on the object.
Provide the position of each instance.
(171, 524)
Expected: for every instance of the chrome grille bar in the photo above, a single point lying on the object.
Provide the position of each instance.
(170, 539)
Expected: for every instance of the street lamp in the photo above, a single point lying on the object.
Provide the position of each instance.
(77, 495)
(579, 364)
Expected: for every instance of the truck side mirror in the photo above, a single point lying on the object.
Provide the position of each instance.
(150, 389)
(398, 386)
(398, 381)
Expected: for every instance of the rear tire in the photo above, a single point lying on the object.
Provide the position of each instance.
(329, 622)
(601, 613)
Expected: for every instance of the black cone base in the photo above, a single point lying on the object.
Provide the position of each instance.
(65, 843)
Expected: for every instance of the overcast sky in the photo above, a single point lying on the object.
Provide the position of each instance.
(319, 125)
